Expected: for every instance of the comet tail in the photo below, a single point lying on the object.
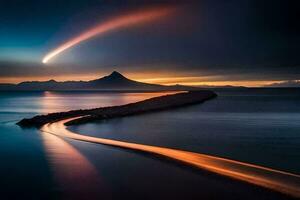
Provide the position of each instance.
(110, 25)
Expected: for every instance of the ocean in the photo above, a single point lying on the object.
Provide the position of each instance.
(259, 126)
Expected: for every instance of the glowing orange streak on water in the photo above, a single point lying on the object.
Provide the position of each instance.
(112, 24)
(74, 173)
(280, 181)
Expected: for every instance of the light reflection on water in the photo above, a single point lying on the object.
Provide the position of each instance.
(47, 102)
(256, 128)
(68, 164)
(260, 127)
(57, 101)
(74, 174)
(266, 177)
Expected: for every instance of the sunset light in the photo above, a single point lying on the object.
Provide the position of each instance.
(150, 99)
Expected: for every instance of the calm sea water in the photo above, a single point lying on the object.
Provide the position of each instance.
(260, 126)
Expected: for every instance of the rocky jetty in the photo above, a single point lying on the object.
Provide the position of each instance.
(148, 105)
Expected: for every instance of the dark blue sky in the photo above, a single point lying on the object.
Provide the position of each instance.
(222, 40)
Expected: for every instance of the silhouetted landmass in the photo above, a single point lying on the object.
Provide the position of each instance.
(286, 84)
(149, 105)
(220, 87)
(113, 82)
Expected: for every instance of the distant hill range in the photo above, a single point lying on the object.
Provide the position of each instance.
(114, 81)
(290, 83)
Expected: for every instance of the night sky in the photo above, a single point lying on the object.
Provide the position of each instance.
(238, 42)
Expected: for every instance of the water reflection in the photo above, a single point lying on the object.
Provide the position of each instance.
(280, 181)
(64, 101)
(73, 172)
(76, 177)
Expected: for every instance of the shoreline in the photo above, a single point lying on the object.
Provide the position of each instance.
(149, 105)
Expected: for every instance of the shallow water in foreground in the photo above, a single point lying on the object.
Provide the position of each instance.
(257, 126)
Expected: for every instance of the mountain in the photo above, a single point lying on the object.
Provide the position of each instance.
(117, 81)
(114, 81)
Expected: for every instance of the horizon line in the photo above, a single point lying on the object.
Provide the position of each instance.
(167, 81)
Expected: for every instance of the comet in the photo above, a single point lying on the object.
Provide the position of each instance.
(115, 23)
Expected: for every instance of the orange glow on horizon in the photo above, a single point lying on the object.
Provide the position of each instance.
(206, 81)
(147, 78)
(110, 25)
